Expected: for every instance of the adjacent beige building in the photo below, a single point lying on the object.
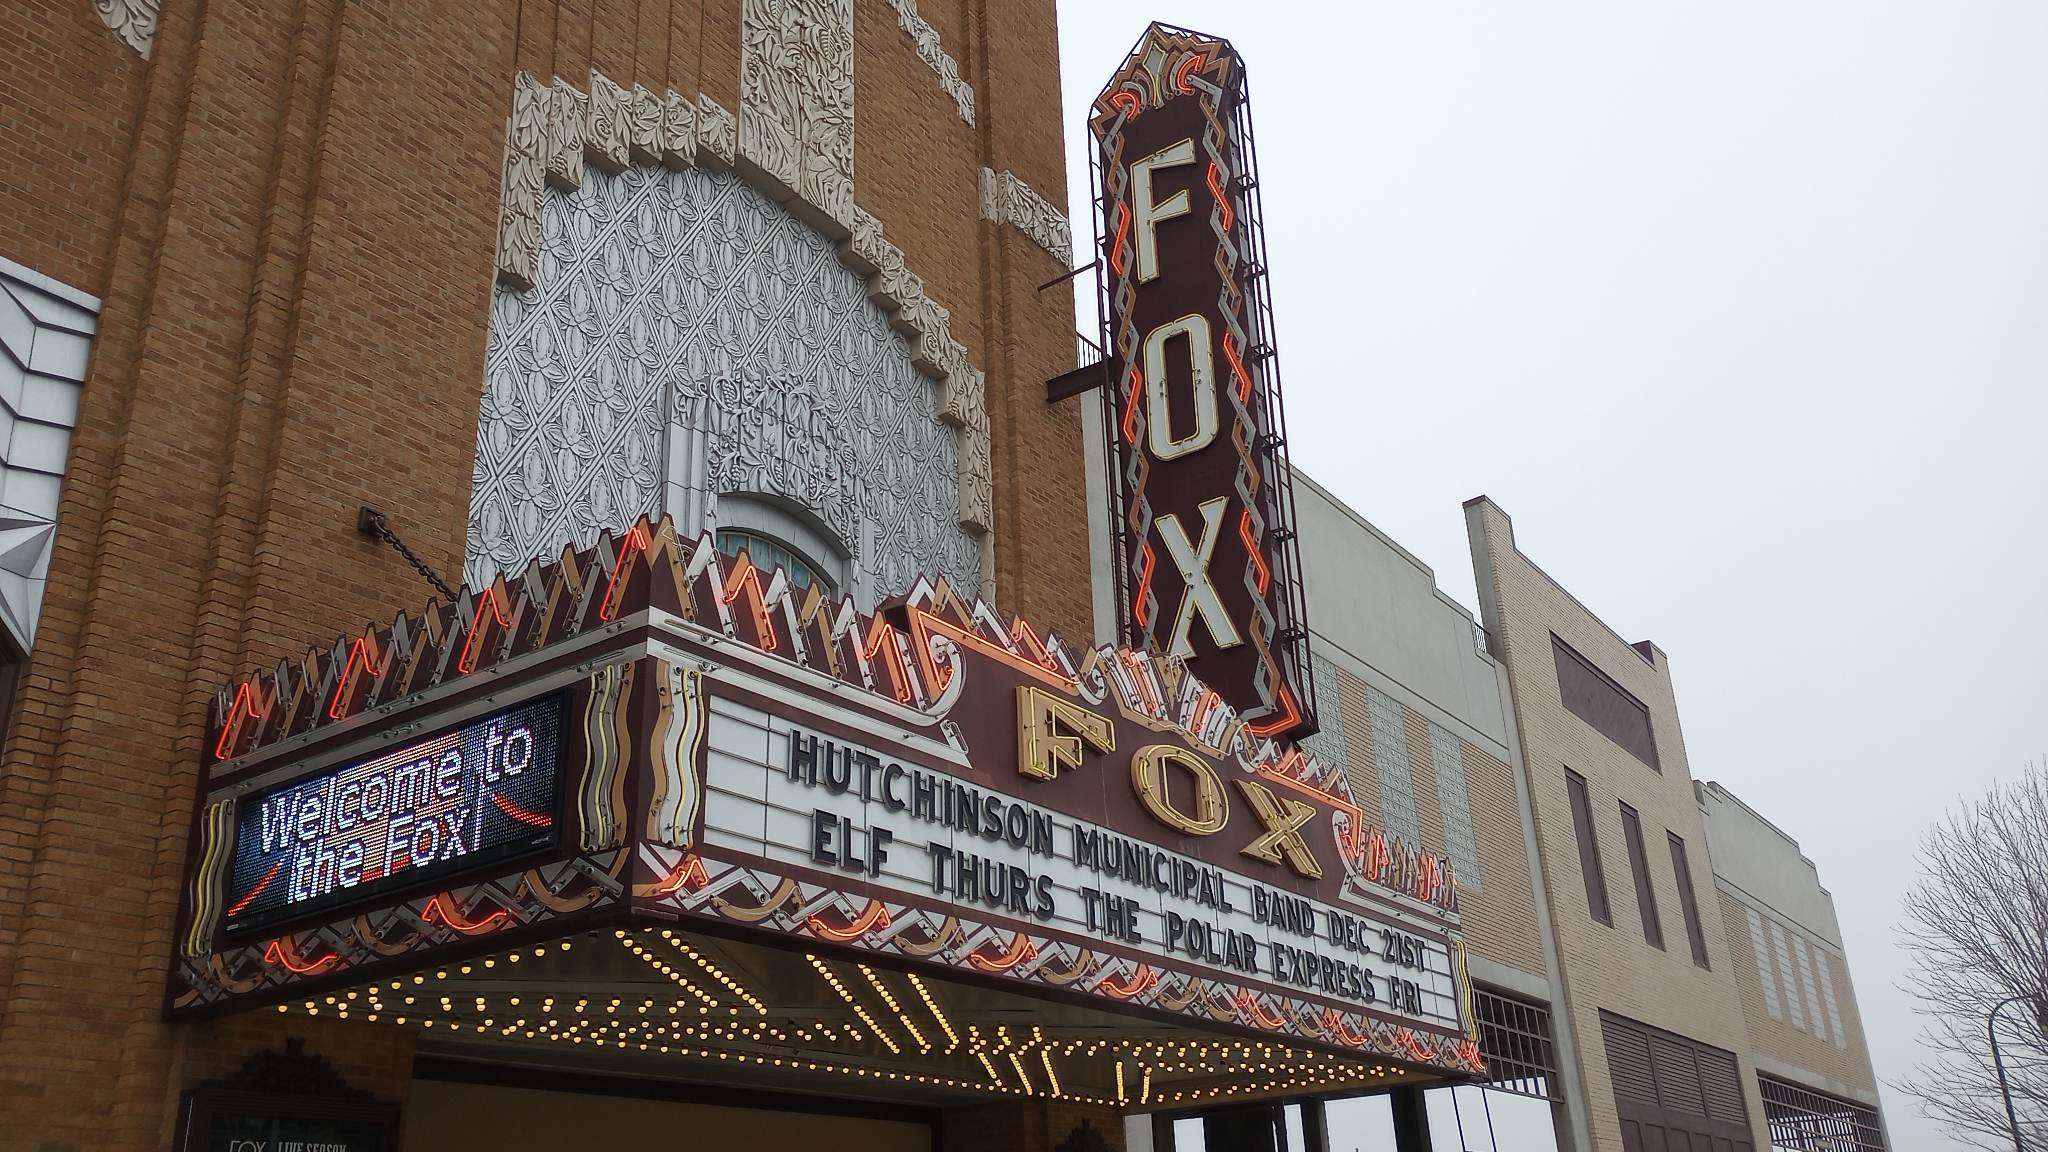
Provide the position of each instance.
(1654, 964)
(1798, 1003)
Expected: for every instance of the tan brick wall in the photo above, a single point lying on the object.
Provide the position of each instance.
(1499, 917)
(1777, 1036)
(1603, 967)
(290, 212)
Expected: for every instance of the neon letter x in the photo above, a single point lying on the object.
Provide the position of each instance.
(1193, 563)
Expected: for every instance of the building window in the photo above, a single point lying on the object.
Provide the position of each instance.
(1826, 966)
(1390, 760)
(1812, 964)
(1582, 825)
(770, 553)
(1589, 848)
(1786, 978)
(1514, 1036)
(1591, 696)
(1454, 800)
(1639, 866)
(1766, 975)
(1802, 1120)
(1683, 871)
(1330, 744)
(1478, 1119)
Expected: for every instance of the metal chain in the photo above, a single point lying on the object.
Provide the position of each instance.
(372, 523)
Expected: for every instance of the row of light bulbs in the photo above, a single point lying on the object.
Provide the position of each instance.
(1296, 1069)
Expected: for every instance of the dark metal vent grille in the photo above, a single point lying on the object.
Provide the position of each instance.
(1514, 1036)
(1803, 1120)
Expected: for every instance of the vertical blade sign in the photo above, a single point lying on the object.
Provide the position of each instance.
(1210, 570)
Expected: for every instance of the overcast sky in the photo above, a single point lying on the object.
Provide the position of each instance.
(1738, 309)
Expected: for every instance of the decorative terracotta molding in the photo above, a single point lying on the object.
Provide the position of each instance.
(1007, 200)
(604, 134)
(528, 142)
(717, 133)
(554, 129)
(929, 50)
(134, 21)
(796, 105)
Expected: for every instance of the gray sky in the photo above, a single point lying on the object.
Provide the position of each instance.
(1737, 308)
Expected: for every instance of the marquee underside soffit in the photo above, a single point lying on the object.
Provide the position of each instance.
(659, 1003)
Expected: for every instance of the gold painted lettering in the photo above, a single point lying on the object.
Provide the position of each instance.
(1283, 817)
(1053, 733)
(1211, 803)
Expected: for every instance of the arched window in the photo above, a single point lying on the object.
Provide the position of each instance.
(777, 533)
(770, 553)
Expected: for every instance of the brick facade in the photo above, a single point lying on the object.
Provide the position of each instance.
(1499, 913)
(1807, 1054)
(1608, 968)
(290, 213)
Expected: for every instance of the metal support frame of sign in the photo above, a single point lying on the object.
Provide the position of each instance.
(1211, 522)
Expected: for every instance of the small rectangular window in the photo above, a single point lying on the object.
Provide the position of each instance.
(1687, 902)
(1639, 864)
(1827, 995)
(1765, 973)
(1786, 980)
(1589, 848)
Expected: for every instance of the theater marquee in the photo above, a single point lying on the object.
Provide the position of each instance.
(653, 732)
(1201, 490)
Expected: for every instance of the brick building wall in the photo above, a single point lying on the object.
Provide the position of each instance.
(1798, 1045)
(290, 213)
(1498, 913)
(1605, 967)
(1415, 649)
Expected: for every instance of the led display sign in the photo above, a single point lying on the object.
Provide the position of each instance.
(480, 792)
(1201, 486)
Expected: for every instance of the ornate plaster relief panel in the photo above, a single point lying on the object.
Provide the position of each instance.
(796, 99)
(134, 21)
(797, 61)
(46, 331)
(934, 55)
(687, 337)
(1007, 200)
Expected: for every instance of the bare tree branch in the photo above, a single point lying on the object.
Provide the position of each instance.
(1977, 926)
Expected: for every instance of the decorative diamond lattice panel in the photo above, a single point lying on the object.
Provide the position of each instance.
(687, 337)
